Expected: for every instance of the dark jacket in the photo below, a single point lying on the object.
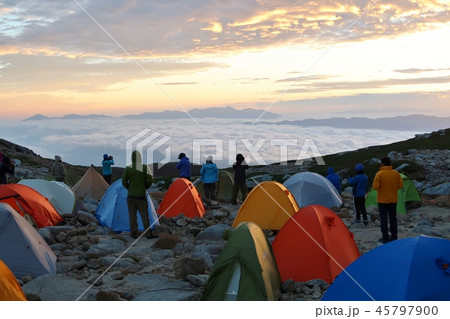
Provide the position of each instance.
(6, 167)
(185, 167)
(137, 177)
(239, 172)
(359, 183)
(334, 179)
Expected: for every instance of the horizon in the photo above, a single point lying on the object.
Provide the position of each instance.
(341, 58)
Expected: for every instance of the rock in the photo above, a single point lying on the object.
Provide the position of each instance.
(166, 241)
(439, 190)
(212, 233)
(93, 264)
(90, 207)
(86, 218)
(160, 255)
(374, 161)
(427, 230)
(47, 235)
(123, 262)
(79, 264)
(108, 296)
(197, 280)
(108, 246)
(218, 214)
(181, 222)
(32, 297)
(289, 286)
(188, 266)
(59, 287)
(55, 230)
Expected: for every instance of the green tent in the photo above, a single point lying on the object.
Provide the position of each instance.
(224, 187)
(406, 195)
(246, 268)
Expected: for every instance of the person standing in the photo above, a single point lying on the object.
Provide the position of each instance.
(387, 182)
(240, 179)
(6, 167)
(58, 170)
(107, 171)
(137, 179)
(359, 183)
(184, 166)
(334, 179)
(209, 176)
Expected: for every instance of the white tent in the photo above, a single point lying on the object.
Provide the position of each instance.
(22, 249)
(58, 194)
(313, 189)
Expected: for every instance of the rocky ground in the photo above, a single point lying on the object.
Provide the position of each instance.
(96, 264)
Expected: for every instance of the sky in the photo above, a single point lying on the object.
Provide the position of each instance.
(311, 59)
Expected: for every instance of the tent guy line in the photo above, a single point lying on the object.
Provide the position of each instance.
(139, 65)
(134, 242)
(317, 60)
(312, 238)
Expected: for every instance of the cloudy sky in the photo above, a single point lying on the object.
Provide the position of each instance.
(312, 58)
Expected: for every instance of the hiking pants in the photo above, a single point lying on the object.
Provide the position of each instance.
(134, 205)
(391, 211)
(236, 188)
(360, 207)
(210, 190)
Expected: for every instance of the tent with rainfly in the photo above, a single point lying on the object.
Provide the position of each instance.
(10, 289)
(407, 194)
(269, 205)
(313, 189)
(58, 194)
(409, 269)
(22, 249)
(314, 243)
(245, 269)
(91, 185)
(28, 202)
(181, 198)
(112, 211)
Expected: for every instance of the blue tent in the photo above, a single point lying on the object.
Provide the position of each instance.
(411, 269)
(112, 210)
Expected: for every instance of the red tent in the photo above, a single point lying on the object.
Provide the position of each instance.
(181, 198)
(314, 244)
(27, 201)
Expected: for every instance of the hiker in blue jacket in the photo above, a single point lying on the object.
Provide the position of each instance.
(359, 183)
(184, 166)
(107, 171)
(209, 176)
(334, 179)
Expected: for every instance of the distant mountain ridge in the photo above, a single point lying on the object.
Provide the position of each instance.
(213, 112)
(413, 122)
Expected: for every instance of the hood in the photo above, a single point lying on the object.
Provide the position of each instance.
(136, 158)
(57, 158)
(330, 170)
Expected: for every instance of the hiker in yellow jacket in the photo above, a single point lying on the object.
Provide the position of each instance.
(387, 182)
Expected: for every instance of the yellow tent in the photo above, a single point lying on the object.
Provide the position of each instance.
(9, 287)
(91, 185)
(269, 205)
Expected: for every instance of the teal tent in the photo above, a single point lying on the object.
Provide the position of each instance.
(246, 268)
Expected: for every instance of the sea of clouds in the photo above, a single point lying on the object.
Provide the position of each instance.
(84, 141)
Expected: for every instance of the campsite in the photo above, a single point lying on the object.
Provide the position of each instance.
(271, 247)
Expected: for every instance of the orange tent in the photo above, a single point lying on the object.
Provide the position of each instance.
(269, 205)
(9, 287)
(314, 244)
(181, 198)
(27, 201)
